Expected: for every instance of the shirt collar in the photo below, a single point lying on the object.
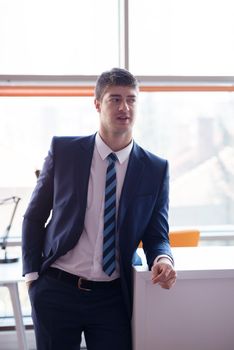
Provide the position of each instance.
(105, 150)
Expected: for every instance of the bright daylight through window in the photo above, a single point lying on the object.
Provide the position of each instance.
(58, 37)
(182, 37)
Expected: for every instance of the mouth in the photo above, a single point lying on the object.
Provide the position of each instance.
(123, 118)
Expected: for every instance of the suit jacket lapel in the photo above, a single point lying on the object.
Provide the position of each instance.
(83, 158)
(133, 177)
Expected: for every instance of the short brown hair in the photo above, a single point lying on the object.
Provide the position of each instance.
(114, 77)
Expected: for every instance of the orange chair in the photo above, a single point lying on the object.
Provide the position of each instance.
(182, 238)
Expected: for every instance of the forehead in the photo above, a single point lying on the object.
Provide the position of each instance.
(123, 91)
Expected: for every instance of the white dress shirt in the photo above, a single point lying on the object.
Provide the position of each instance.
(85, 259)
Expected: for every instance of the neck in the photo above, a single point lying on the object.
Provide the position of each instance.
(116, 141)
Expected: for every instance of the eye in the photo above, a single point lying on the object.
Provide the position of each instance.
(131, 100)
(115, 99)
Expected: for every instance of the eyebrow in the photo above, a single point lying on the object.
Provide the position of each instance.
(118, 95)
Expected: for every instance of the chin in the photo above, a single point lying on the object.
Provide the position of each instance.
(123, 131)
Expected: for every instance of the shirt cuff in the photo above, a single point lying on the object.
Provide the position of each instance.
(164, 256)
(32, 276)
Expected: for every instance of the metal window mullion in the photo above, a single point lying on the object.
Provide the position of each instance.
(89, 80)
(47, 80)
(124, 34)
(186, 80)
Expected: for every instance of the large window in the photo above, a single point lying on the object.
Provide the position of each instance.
(181, 37)
(76, 37)
(27, 126)
(193, 130)
(58, 36)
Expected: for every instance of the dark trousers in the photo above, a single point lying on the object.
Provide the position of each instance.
(61, 312)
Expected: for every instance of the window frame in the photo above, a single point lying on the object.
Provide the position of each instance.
(19, 85)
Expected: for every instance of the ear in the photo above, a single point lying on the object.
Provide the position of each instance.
(97, 104)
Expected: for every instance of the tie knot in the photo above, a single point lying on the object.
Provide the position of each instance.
(112, 157)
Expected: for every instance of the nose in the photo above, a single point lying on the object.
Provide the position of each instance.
(123, 106)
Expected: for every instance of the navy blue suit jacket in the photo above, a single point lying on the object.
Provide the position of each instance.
(61, 192)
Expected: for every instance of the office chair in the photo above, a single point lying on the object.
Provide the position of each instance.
(182, 238)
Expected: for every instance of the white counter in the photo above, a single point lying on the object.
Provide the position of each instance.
(197, 313)
(10, 275)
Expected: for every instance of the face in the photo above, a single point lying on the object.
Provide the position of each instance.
(117, 110)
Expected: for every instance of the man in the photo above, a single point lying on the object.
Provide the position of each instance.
(105, 194)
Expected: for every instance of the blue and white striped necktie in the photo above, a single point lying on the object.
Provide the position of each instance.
(109, 231)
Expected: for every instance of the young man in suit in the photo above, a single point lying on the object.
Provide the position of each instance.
(105, 194)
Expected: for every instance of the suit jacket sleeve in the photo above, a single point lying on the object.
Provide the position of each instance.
(156, 240)
(36, 216)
